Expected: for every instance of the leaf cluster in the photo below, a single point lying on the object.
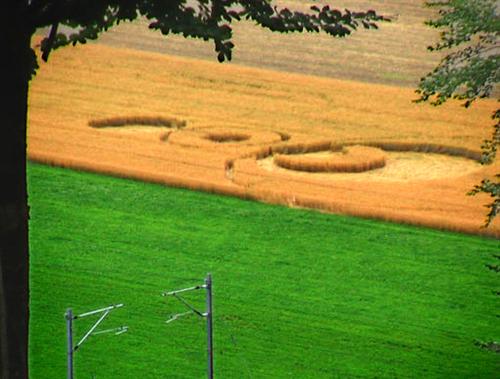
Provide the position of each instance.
(492, 188)
(469, 72)
(490, 146)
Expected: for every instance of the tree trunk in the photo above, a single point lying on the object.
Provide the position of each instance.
(16, 64)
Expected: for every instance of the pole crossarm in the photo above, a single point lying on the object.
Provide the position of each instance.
(111, 307)
(173, 293)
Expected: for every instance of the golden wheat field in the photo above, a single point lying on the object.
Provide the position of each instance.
(395, 54)
(335, 145)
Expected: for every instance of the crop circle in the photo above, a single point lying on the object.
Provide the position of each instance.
(124, 121)
(348, 159)
(230, 137)
(374, 161)
(226, 137)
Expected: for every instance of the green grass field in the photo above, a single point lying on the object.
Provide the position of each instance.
(297, 294)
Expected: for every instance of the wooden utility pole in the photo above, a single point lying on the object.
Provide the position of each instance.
(207, 314)
(208, 287)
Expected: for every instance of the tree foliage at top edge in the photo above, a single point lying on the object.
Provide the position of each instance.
(470, 71)
(205, 19)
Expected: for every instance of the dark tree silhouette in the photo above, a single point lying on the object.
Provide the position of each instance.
(206, 19)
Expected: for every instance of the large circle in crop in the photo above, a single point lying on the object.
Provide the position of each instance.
(399, 166)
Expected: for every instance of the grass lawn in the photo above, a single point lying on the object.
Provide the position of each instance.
(297, 294)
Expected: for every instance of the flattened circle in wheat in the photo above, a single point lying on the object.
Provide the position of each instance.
(219, 136)
(122, 121)
(405, 161)
(348, 159)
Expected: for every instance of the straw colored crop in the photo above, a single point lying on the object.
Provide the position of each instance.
(281, 113)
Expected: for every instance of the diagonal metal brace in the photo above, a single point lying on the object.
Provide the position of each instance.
(87, 335)
(189, 306)
(91, 331)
